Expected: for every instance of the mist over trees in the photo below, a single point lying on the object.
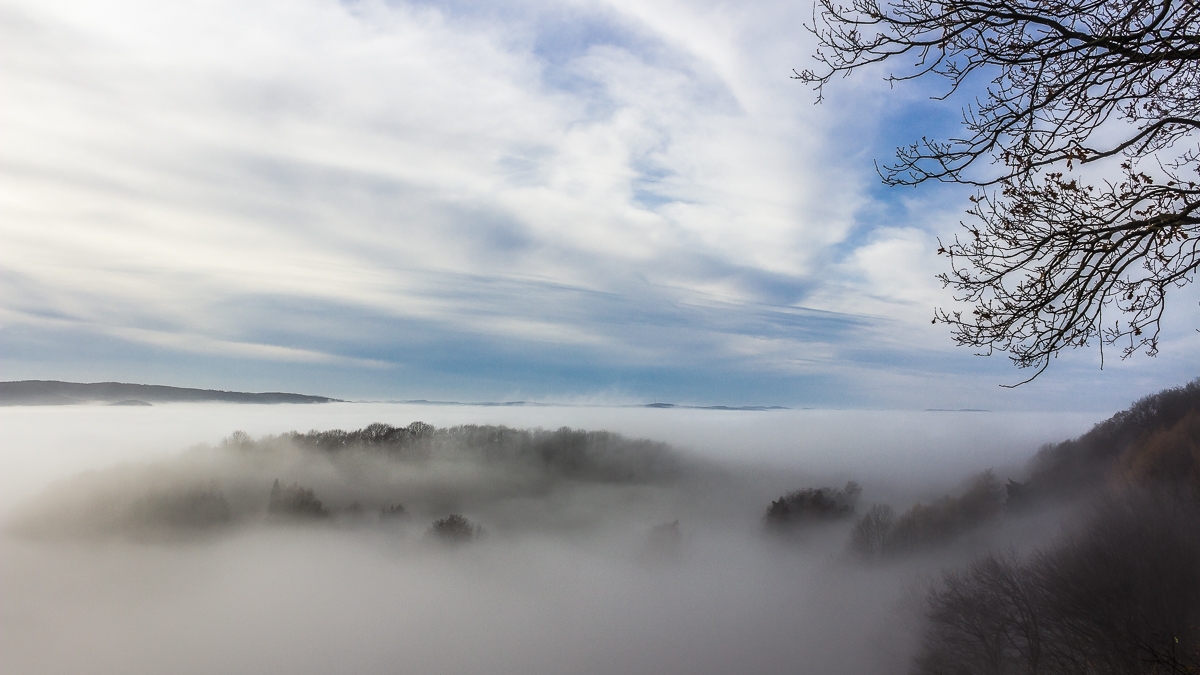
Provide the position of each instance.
(293, 501)
(194, 509)
(1116, 592)
(572, 453)
(812, 504)
(1154, 440)
(392, 470)
(881, 531)
(1119, 595)
(1155, 443)
(335, 476)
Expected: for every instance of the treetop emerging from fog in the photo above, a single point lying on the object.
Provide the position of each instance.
(1052, 243)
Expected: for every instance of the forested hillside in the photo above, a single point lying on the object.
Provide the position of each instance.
(1156, 440)
(1120, 592)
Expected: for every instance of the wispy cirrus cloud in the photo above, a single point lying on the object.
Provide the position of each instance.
(617, 187)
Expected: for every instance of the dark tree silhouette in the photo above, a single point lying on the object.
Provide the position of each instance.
(600, 456)
(1065, 87)
(294, 501)
(880, 531)
(811, 504)
(393, 512)
(870, 534)
(455, 528)
(1120, 595)
(1154, 440)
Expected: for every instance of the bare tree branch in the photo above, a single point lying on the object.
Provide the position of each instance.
(1045, 254)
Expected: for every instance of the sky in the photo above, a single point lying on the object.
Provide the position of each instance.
(578, 202)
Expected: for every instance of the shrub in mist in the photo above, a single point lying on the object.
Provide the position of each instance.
(812, 504)
(881, 531)
(294, 501)
(393, 512)
(1120, 595)
(454, 528)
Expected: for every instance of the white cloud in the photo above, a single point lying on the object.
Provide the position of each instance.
(196, 344)
(655, 191)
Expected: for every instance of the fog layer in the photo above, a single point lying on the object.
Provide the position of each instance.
(661, 566)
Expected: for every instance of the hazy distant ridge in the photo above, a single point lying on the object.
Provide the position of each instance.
(50, 392)
(541, 404)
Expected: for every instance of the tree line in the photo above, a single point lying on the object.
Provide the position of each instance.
(601, 456)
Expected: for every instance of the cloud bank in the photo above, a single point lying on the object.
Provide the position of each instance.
(450, 197)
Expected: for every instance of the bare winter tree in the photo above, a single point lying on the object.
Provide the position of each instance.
(1079, 143)
(1120, 595)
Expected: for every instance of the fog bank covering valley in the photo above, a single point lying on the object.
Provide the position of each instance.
(751, 542)
(517, 479)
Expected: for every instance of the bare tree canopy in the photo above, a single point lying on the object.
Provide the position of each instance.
(1086, 206)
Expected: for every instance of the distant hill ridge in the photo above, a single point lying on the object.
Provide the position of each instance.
(51, 392)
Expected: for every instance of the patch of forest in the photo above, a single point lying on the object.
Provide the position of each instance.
(574, 453)
(381, 473)
(1118, 593)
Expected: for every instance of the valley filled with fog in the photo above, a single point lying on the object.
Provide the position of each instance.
(156, 539)
(920, 449)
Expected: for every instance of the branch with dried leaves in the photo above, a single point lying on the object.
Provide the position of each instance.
(1105, 91)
